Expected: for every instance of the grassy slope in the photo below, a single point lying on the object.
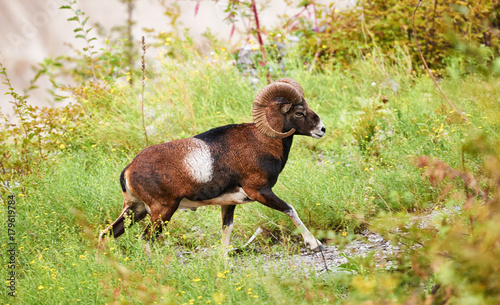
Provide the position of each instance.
(363, 165)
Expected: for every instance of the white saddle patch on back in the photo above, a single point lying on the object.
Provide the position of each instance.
(199, 162)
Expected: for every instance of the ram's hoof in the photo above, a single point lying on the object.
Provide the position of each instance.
(318, 248)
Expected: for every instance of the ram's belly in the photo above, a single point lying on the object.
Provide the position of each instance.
(236, 197)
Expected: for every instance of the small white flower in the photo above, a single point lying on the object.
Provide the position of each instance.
(374, 84)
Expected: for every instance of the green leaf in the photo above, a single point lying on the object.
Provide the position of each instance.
(85, 21)
(74, 18)
(304, 3)
(77, 30)
(78, 12)
(65, 7)
(79, 36)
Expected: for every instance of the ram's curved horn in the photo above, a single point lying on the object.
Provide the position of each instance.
(294, 83)
(262, 100)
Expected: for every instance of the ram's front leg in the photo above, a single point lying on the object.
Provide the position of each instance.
(268, 198)
(309, 239)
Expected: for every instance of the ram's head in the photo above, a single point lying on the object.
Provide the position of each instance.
(280, 110)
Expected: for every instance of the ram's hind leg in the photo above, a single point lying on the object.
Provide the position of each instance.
(137, 209)
(160, 216)
(115, 223)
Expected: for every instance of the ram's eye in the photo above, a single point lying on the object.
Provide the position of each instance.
(299, 114)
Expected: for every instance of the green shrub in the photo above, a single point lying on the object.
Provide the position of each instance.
(470, 27)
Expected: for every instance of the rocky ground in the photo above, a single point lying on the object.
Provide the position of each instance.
(332, 257)
(367, 242)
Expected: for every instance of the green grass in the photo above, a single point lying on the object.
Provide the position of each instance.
(362, 169)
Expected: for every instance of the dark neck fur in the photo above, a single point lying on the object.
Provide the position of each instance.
(287, 145)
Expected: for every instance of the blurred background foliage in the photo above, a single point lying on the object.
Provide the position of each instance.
(466, 29)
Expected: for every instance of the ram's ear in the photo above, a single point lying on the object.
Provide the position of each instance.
(285, 108)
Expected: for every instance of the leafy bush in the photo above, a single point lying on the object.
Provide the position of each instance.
(442, 26)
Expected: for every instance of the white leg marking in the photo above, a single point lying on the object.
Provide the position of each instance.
(147, 208)
(226, 236)
(309, 239)
(199, 162)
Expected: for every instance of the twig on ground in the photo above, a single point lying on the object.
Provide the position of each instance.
(322, 255)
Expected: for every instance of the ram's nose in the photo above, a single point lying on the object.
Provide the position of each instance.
(319, 131)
